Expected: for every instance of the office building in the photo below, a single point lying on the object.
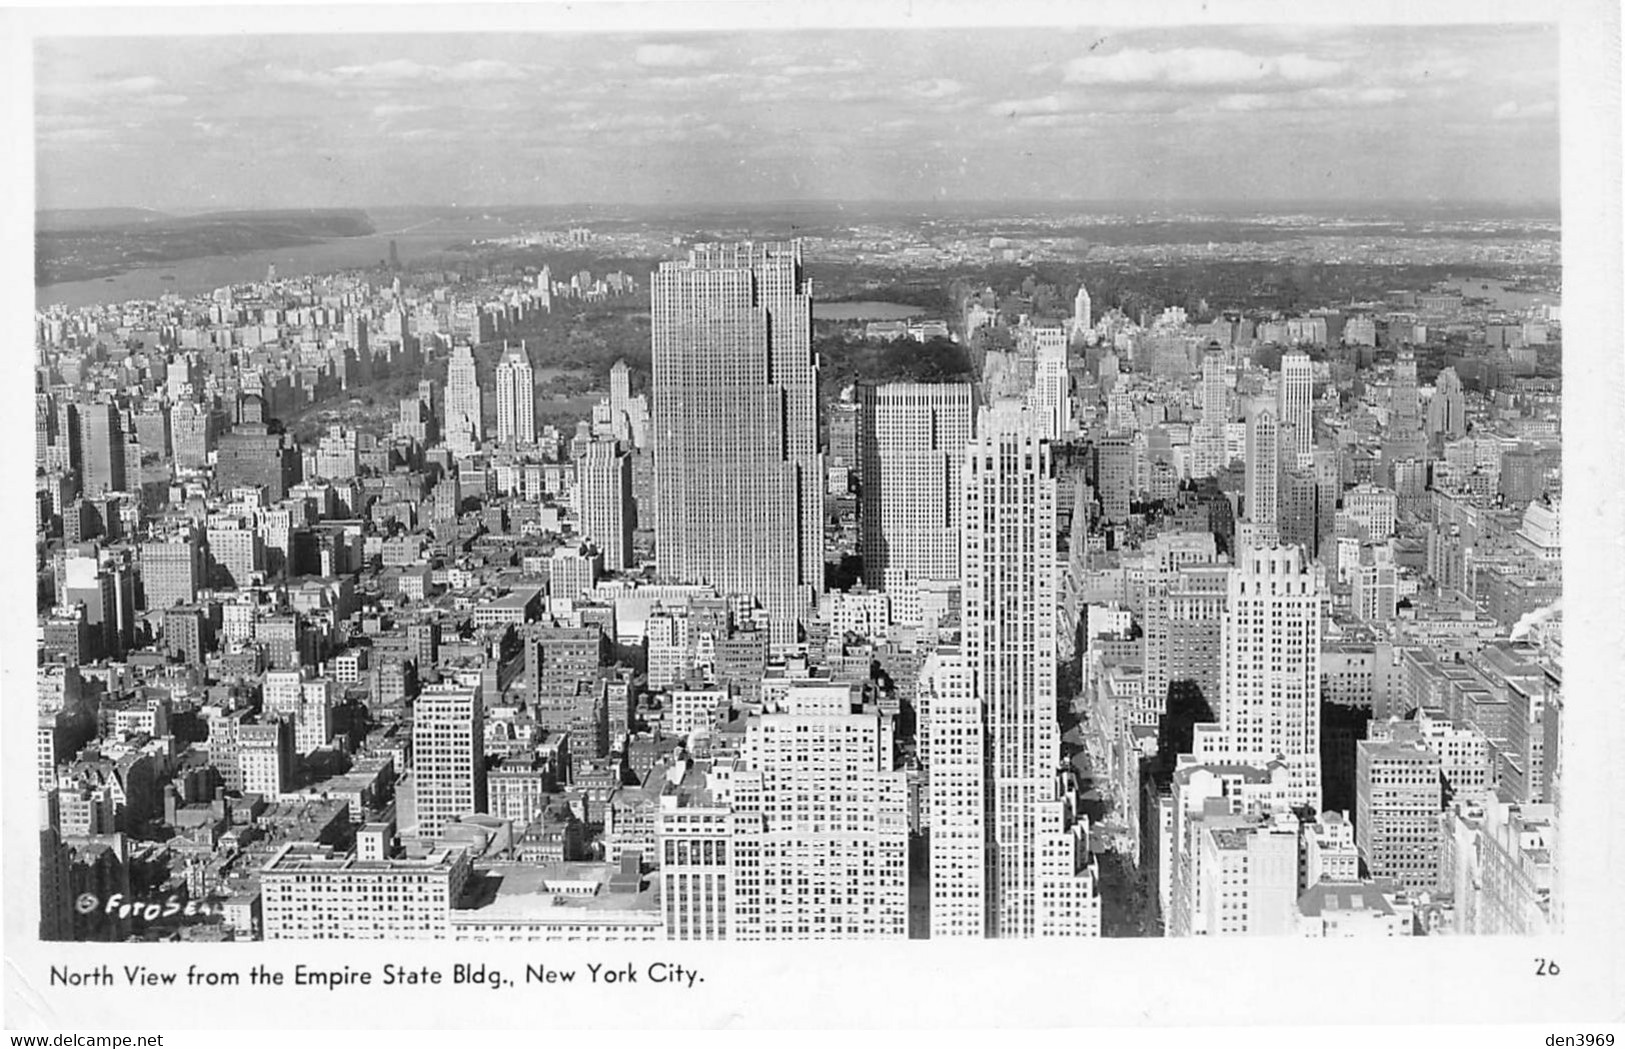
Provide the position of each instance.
(464, 425)
(101, 448)
(516, 399)
(1447, 411)
(1396, 822)
(911, 450)
(307, 892)
(1009, 635)
(1050, 395)
(604, 481)
(1269, 680)
(173, 569)
(1260, 497)
(448, 756)
(1114, 477)
(952, 742)
(738, 475)
(264, 756)
(236, 553)
(1083, 317)
(1295, 406)
(821, 823)
(256, 453)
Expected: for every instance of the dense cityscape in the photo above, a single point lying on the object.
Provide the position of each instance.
(947, 577)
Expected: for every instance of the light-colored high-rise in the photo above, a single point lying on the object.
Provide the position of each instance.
(1398, 797)
(620, 401)
(911, 450)
(953, 753)
(1083, 314)
(448, 756)
(1269, 675)
(1447, 411)
(1010, 611)
(516, 399)
(1263, 466)
(805, 837)
(604, 481)
(822, 851)
(309, 893)
(464, 425)
(1295, 405)
(1215, 393)
(174, 569)
(1042, 354)
(738, 477)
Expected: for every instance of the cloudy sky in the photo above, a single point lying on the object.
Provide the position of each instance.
(1456, 113)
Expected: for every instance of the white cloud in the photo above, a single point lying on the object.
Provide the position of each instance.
(1438, 67)
(485, 69)
(1026, 107)
(69, 136)
(133, 87)
(395, 109)
(397, 71)
(664, 55)
(938, 88)
(839, 67)
(1198, 67)
(1510, 110)
(1315, 98)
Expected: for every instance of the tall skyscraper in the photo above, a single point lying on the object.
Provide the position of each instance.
(1009, 610)
(822, 851)
(257, 453)
(1263, 465)
(1215, 394)
(516, 399)
(101, 448)
(1406, 405)
(953, 753)
(605, 486)
(1269, 676)
(448, 756)
(620, 400)
(738, 476)
(1295, 405)
(463, 427)
(1051, 394)
(1114, 476)
(1447, 411)
(1083, 317)
(805, 838)
(911, 451)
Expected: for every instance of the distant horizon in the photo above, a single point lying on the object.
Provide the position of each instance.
(678, 207)
(1258, 115)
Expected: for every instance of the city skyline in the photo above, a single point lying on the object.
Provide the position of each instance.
(1266, 113)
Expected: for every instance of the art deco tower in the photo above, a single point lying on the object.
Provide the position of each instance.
(738, 476)
(516, 399)
(1009, 644)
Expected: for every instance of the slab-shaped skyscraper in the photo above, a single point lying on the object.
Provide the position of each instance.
(738, 476)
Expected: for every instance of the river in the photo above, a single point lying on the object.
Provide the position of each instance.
(419, 243)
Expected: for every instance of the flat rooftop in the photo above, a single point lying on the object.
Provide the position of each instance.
(518, 891)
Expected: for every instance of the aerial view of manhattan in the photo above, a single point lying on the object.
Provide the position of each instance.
(1051, 482)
